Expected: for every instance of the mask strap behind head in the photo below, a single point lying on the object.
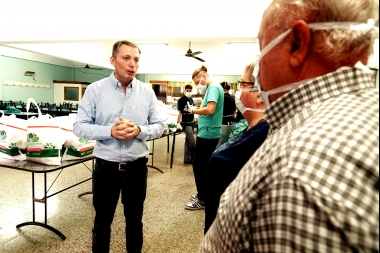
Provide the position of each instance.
(354, 26)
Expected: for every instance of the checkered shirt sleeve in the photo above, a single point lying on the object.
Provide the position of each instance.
(313, 186)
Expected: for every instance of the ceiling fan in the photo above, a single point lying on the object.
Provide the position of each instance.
(87, 67)
(191, 54)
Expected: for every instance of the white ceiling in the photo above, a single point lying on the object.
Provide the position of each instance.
(84, 31)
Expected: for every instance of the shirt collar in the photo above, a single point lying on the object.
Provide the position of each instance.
(344, 80)
(116, 82)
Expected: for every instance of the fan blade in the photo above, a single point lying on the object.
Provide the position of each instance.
(88, 67)
(198, 52)
(199, 59)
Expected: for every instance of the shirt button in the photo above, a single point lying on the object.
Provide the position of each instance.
(123, 159)
(123, 146)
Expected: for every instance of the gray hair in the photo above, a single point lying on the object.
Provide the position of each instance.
(334, 45)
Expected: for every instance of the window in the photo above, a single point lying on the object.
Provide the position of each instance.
(71, 93)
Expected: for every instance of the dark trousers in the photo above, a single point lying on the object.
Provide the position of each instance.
(203, 151)
(217, 180)
(107, 183)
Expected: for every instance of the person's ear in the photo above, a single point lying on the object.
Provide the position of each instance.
(259, 101)
(112, 61)
(300, 39)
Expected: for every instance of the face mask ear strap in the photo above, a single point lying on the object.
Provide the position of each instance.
(273, 43)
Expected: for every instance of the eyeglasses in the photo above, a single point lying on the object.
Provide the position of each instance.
(246, 85)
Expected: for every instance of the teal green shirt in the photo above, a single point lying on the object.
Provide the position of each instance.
(209, 125)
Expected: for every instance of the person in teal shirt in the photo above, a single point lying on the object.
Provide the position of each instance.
(209, 131)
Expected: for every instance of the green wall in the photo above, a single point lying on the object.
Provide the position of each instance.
(13, 69)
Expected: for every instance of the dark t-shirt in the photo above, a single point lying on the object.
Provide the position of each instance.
(181, 105)
(229, 105)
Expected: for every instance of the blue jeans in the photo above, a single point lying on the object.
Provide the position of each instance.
(189, 146)
(107, 183)
(226, 130)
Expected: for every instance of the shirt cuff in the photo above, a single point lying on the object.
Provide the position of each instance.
(142, 133)
(106, 131)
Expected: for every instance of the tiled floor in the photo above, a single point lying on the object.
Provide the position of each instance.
(168, 227)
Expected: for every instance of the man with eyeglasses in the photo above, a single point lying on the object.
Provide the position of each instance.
(226, 162)
(313, 185)
(241, 123)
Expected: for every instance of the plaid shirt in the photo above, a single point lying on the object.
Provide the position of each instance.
(313, 186)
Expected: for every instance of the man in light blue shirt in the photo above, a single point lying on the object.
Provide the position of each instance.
(121, 113)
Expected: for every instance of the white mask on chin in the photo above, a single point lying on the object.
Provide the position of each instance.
(241, 107)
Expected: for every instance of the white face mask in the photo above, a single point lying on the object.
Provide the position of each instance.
(241, 107)
(202, 87)
(314, 26)
(188, 94)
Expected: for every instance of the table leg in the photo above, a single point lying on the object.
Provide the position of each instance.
(152, 154)
(172, 154)
(43, 200)
(168, 143)
(92, 170)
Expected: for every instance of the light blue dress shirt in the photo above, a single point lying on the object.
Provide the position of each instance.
(103, 103)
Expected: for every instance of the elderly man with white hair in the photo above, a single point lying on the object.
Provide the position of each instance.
(313, 186)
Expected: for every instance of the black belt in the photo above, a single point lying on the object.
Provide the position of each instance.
(227, 120)
(122, 166)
